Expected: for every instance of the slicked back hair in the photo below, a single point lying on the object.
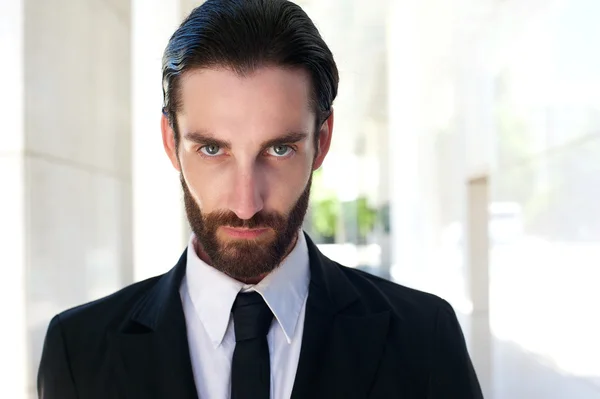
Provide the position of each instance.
(244, 35)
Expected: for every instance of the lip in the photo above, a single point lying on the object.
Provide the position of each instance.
(244, 233)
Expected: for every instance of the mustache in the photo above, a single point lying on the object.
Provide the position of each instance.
(259, 220)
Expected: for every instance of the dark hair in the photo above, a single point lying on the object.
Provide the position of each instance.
(244, 35)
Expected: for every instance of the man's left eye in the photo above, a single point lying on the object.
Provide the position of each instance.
(279, 150)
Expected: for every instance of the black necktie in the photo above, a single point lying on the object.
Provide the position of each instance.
(250, 368)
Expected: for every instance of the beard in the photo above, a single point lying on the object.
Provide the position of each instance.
(245, 259)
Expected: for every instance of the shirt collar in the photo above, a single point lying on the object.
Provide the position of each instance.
(284, 290)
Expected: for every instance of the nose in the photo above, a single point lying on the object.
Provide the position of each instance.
(246, 199)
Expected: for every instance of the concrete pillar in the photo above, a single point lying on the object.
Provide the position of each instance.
(478, 281)
(65, 177)
(13, 343)
(405, 94)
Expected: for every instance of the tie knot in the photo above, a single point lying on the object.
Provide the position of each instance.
(251, 316)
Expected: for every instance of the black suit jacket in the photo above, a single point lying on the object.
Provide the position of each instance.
(364, 337)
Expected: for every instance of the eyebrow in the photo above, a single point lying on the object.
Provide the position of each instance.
(206, 138)
(288, 138)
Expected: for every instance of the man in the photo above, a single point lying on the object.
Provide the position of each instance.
(253, 309)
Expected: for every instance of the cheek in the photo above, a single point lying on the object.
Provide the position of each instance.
(285, 185)
(206, 184)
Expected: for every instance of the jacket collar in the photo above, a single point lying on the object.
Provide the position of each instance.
(341, 346)
(329, 285)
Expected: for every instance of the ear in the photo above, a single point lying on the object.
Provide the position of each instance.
(168, 137)
(325, 132)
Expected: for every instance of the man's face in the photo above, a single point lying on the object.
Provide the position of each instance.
(246, 155)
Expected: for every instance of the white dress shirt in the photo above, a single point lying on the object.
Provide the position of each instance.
(207, 296)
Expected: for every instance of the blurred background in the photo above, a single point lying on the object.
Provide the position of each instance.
(465, 162)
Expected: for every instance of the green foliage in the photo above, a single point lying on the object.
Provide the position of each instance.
(366, 217)
(325, 207)
(359, 219)
(325, 216)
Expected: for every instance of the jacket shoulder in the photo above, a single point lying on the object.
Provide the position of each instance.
(107, 312)
(380, 294)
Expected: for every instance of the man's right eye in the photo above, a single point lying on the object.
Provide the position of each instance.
(210, 150)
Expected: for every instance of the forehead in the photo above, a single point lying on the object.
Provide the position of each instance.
(269, 98)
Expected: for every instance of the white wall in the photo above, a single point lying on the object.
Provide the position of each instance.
(524, 84)
(159, 219)
(545, 285)
(160, 228)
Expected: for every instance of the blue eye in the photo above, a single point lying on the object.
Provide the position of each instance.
(279, 150)
(210, 150)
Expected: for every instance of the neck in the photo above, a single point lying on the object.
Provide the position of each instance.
(253, 280)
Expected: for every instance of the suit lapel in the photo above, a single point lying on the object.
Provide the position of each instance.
(150, 349)
(343, 341)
